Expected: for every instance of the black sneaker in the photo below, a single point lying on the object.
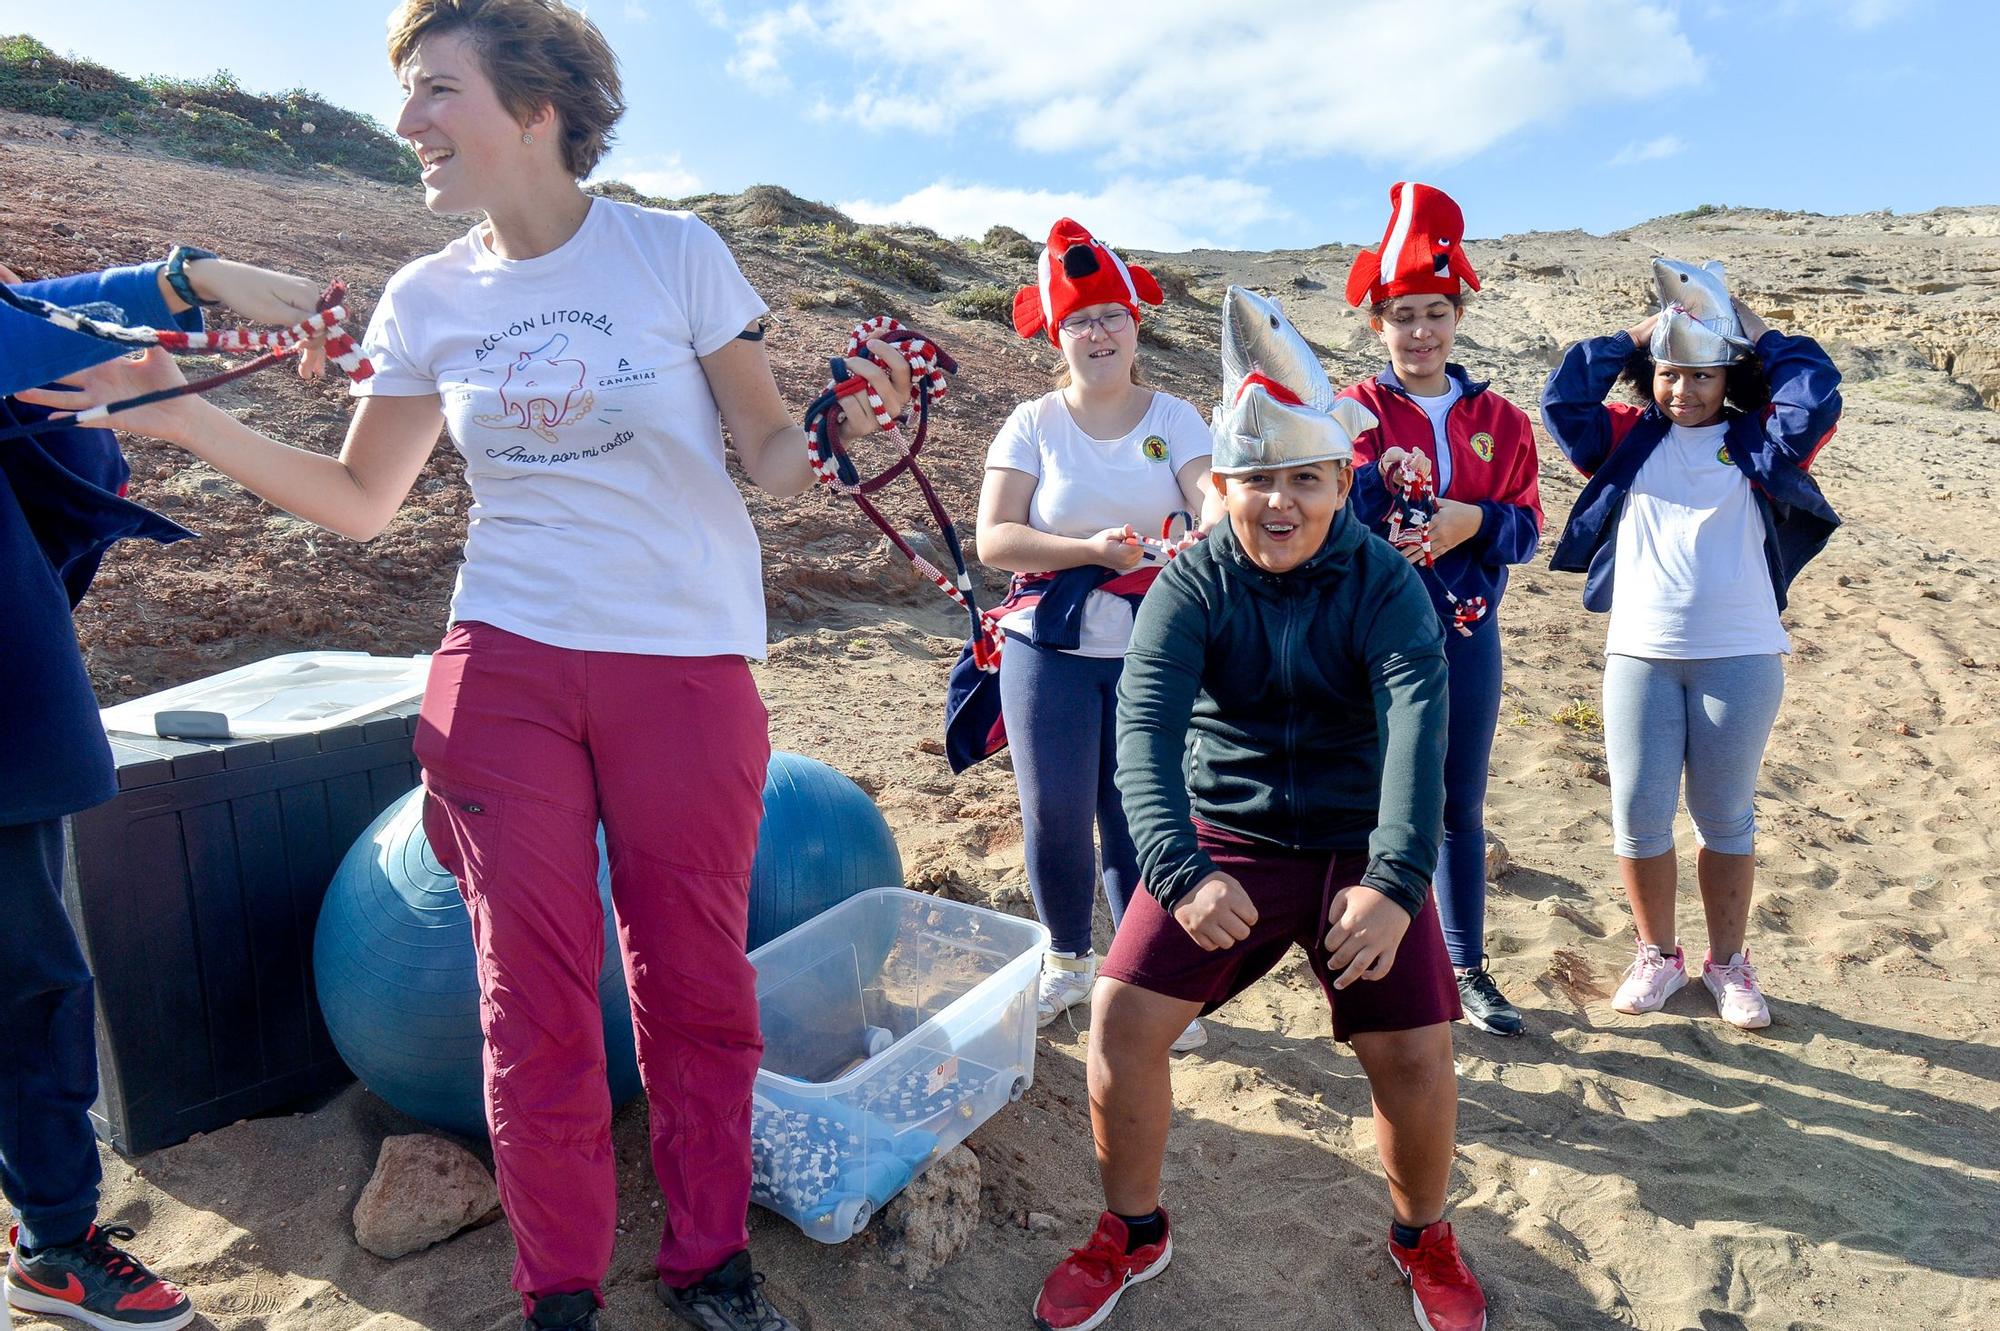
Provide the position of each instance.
(564, 1312)
(1485, 1006)
(729, 1298)
(95, 1283)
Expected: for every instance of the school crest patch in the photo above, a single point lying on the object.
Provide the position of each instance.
(1482, 446)
(1722, 456)
(1155, 448)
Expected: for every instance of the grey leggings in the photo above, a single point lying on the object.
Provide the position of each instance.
(1708, 718)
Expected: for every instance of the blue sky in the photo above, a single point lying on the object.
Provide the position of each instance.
(1176, 123)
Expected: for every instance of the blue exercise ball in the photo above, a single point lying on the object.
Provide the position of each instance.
(393, 959)
(822, 840)
(393, 963)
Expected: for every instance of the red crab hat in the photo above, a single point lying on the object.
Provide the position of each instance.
(1421, 253)
(1074, 273)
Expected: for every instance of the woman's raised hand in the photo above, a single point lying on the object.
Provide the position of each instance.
(263, 296)
(892, 385)
(125, 377)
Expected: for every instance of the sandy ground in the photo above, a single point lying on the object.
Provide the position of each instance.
(1840, 1170)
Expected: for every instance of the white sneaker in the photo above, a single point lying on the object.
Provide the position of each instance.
(1066, 981)
(1651, 979)
(1194, 1037)
(1737, 997)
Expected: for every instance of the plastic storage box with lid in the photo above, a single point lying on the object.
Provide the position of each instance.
(894, 1024)
(194, 891)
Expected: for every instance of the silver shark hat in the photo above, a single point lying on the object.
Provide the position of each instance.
(1257, 429)
(1261, 433)
(1698, 326)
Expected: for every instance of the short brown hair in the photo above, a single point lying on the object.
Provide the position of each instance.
(537, 53)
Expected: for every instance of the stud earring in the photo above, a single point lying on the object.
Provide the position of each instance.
(527, 138)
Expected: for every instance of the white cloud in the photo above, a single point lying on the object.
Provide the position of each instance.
(1652, 150)
(1183, 213)
(1865, 14)
(657, 176)
(636, 12)
(1154, 81)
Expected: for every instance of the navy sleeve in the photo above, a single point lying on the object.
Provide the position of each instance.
(1573, 399)
(1370, 497)
(34, 352)
(1805, 395)
(1509, 533)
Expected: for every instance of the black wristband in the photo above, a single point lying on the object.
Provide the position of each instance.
(177, 261)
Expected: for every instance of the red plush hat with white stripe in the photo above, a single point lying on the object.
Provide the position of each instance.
(1421, 253)
(1074, 273)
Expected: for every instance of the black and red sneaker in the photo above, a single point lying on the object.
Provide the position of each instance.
(94, 1282)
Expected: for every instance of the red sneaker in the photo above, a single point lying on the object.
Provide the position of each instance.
(1442, 1289)
(1084, 1288)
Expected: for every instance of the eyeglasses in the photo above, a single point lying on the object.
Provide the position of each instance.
(1079, 325)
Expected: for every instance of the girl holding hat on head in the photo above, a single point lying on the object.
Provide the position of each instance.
(1476, 453)
(1701, 502)
(1072, 480)
(584, 356)
(1281, 726)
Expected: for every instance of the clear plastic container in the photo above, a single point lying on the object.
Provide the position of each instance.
(294, 694)
(894, 1024)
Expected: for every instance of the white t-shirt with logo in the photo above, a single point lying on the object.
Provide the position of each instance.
(1084, 485)
(1691, 582)
(603, 515)
(1438, 408)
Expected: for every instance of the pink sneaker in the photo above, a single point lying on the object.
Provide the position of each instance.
(1737, 997)
(1651, 979)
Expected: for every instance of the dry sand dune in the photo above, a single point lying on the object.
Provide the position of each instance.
(1840, 1170)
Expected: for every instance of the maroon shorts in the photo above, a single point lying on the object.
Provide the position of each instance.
(1292, 891)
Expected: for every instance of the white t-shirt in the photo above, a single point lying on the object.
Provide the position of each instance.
(1437, 408)
(603, 516)
(1084, 485)
(1691, 582)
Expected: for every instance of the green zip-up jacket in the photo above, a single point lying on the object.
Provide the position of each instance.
(1305, 710)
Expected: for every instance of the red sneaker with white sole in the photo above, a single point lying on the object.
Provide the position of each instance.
(1083, 1289)
(1442, 1289)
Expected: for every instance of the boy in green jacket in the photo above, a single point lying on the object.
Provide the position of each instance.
(1281, 735)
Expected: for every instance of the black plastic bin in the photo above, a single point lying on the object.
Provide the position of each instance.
(195, 893)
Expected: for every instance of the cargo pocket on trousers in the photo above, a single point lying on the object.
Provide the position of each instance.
(464, 828)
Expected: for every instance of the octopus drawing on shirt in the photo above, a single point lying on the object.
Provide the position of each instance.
(542, 391)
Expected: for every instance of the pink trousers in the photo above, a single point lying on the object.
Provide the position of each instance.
(525, 748)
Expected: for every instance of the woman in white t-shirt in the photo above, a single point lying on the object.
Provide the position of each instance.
(583, 355)
(1072, 480)
(1699, 511)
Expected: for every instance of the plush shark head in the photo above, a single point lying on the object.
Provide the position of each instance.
(1278, 408)
(1698, 325)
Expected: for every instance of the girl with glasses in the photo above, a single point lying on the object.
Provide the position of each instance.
(1072, 480)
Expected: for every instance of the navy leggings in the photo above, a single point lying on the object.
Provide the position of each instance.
(1474, 686)
(48, 1044)
(1061, 712)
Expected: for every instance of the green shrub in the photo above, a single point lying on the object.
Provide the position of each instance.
(210, 120)
(985, 301)
(869, 251)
